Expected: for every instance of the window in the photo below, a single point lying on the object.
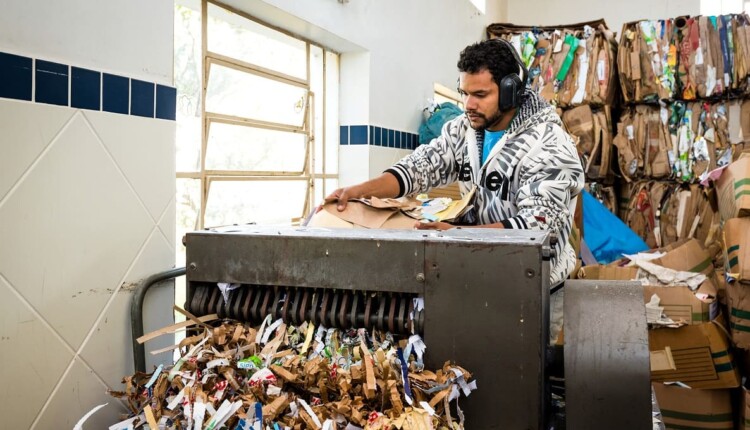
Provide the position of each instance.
(444, 94)
(480, 4)
(257, 120)
(723, 7)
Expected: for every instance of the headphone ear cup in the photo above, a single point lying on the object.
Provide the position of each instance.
(510, 89)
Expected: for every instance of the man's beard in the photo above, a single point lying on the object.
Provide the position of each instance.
(488, 122)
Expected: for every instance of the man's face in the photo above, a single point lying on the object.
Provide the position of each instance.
(481, 96)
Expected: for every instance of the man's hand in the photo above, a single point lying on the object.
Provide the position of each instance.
(385, 185)
(342, 196)
(433, 225)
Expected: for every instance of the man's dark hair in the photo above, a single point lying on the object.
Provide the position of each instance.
(490, 54)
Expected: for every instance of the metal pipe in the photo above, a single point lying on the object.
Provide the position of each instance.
(136, 313)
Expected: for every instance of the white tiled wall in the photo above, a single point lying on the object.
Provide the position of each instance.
(86, 206)
(383, 158)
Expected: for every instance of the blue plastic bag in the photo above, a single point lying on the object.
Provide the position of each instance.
(606, 236)
(432, 127)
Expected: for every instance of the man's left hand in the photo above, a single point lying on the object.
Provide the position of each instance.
(433, 225)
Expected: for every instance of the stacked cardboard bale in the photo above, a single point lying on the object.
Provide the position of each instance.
(686, 116)
(685, 82)
(685, 58)
(574, 68)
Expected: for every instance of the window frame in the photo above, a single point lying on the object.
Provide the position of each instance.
(309, 174)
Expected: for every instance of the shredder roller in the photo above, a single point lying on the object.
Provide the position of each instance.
(478, 297)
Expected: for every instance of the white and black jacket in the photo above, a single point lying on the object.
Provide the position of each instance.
(528, 181)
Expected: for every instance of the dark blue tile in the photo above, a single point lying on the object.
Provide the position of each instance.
(85, 88)
(344, 135)
(166, 102)
(377, 140)
(358, 135)
(141, 98)
(391, 138)
(116, 94)
(372, 135)
(400, 140)
(414, 141)
(51, 83)
(15, 76)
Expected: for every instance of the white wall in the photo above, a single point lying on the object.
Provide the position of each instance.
(86, 206)
(133, 38)
(616, 13)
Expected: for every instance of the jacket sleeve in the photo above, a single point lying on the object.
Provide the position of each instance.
(549, 176)
(429, 166)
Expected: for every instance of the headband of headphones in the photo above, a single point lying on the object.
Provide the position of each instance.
(523, 73)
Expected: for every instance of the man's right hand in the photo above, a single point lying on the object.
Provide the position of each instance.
(342, 196)
(385, 185)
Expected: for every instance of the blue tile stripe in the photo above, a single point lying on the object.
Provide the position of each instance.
(67, 85)
(377, 136)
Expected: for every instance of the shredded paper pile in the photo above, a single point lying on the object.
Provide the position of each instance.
(283, 377)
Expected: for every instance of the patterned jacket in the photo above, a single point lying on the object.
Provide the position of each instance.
(528, 181)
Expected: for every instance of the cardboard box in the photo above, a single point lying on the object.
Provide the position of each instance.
(608, 273)
(700, 353)
(738, 298)
(737, 248)
(734, 189)
(689, 256)
(680, 304)
(685, 408)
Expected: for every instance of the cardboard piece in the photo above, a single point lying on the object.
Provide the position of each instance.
(685, 408)
(360, 214)
(690, 256)
(611, 273)
(734, 190)
(679, 303)
(662, 360)
(736, 243)
(701, 356)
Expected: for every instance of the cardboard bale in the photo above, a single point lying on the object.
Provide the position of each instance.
(734, 190)
(685, 408)
(737, 248)
(700, 353)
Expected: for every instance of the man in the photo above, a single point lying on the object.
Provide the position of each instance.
(510, 144)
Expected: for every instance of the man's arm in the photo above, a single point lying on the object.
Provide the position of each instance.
(429, 166)
(384, 186)
(550, 176)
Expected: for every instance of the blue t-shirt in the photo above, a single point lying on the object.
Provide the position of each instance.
(490, 139)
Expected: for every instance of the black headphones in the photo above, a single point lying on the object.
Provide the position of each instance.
(512, 85)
